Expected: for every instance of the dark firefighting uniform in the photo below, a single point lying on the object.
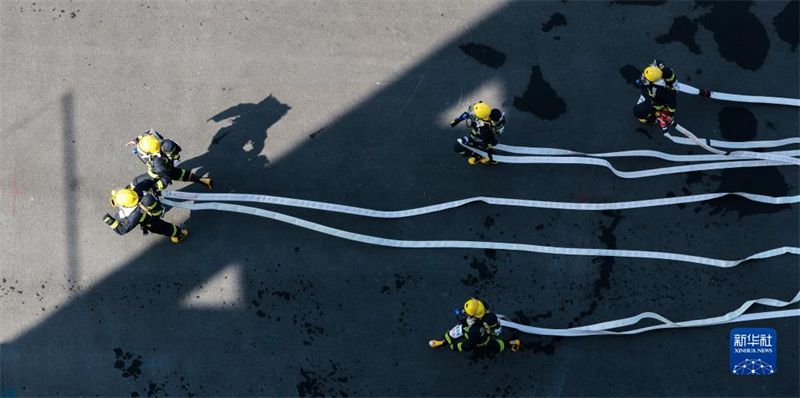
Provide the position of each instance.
(481, 334)
(161, 168)
(146, 214)
(483, 134)
(658, 98)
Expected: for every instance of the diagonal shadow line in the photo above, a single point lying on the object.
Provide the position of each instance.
(230, 164)
(69, 160)
(112, 311)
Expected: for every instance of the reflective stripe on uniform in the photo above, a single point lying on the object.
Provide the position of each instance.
(174, 230)
(115, 224)
(151, 170)
(502, 345)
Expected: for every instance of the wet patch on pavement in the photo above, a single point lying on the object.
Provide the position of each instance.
(557, 19)
(129, 364)
(683, 30)
(761, 180)
(327, 384)
(540, 98)
(741, 38)
(787, 23)
(737, 124)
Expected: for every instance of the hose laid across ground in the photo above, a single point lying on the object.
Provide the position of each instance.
(627, 174)
(540, 204)
(460, 244)
(752, 99)
(597, 329)
(605, 328)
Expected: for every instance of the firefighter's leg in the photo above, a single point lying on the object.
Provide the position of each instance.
(439, 343)
(436, 343)
(498, 345)
(143, 183)
(459, 149)
(472, 157)
(161, 227)
(186, 175)
(448, 340)
(645, 113)
(489, 160)
(475, 158)
(148, 182)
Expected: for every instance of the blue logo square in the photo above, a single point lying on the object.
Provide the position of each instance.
(754, 351)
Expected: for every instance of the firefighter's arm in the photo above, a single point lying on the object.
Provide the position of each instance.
(177, 154)
(123, 226)
(669, 77)
(458, 120)
(135, 141)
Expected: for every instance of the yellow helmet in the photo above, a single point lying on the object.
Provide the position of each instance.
(482, 111)
(474, 308)
(149, 144)
(124, 197)
(652, 73)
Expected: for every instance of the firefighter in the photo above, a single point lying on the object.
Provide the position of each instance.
(485, 125)
(161, 157)
(658, 102)
(477, 328)
(145, 212)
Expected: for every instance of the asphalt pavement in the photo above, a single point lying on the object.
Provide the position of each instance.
(350, 103)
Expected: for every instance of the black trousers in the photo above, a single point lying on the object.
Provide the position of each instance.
(645, 112)
(461, 150)
(495, 345)
(146, 182)
(180, 174)
(161, 227)
(490, 343)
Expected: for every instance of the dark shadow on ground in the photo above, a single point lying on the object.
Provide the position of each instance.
(320, 316)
